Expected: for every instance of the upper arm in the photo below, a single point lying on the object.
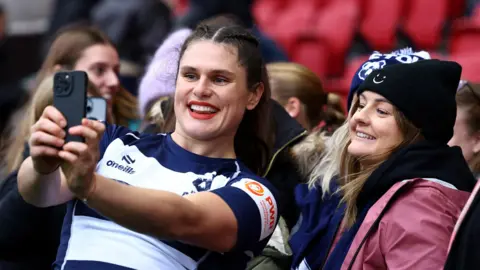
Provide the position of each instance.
(234, 217)
(417, 229)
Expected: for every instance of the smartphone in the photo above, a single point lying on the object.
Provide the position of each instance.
(70, 98)
(97, 108)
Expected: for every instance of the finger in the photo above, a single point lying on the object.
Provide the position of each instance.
(47, 126)
(68, 156)
(76, 148)
(55, 116)
(41, 138)
(43, 151)
(85, 132)
(98, 126)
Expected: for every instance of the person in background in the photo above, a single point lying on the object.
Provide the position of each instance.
(466, 133)
(83, 47)
(301, 93)
(199, 204)
(157, 86)
(464, 252)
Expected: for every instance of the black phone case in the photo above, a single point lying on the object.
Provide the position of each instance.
(69, 97)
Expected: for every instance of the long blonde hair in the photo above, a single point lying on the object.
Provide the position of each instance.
(42, 97)
(352, 176)
(335, 161)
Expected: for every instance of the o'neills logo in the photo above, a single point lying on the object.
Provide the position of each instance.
(122, 168)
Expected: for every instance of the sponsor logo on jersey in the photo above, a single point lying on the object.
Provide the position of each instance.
(255, 188)
(120, 167)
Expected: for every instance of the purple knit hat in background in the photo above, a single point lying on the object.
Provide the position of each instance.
(159, 78)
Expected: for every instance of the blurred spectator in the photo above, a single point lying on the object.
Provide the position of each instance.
(200, 10)
(301, 93)
(467, 125)
(86, 48)
(160, 75)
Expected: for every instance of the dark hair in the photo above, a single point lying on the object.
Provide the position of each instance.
(468, 98)
(253, 139)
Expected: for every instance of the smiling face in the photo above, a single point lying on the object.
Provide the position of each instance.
(102, 63)
(373, 128)
(211, 93)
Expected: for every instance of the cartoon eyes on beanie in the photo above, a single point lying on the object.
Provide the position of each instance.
(379, 79)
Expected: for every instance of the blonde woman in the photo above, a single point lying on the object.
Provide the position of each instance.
(301, 93)
(394, 160)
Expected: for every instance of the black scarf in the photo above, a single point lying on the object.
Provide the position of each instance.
(420, 160)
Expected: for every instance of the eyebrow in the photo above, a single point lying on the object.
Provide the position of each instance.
(377, 99)
(117, 66)
(222, 71)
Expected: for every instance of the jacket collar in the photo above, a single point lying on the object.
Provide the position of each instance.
(287, 131)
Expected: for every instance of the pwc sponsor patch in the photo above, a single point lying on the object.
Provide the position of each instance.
(267, 206)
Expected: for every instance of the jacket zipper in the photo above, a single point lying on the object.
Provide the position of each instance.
(280, 150)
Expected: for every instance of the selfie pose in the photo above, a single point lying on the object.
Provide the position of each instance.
(29, 236)
(400, 187)
(186, 200)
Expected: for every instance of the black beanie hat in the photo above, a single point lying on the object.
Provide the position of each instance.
(423, 91)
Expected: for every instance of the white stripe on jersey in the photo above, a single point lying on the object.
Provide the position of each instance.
(90, 236)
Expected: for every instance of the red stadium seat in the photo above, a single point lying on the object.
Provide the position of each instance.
(424, 20)
(465, 34)
(456, 8)
(311, 52)
(266, 12)
(341, 86)
(336, 25)
(470, 63)
(379, 21)
(291, 23)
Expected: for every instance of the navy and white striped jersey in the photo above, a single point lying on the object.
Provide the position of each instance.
(92, 241)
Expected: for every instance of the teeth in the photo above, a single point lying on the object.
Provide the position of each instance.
(365, 136)
(202, 108)
(107, 96)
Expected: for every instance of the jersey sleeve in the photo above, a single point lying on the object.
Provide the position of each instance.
(111, 133)
(255, 207)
